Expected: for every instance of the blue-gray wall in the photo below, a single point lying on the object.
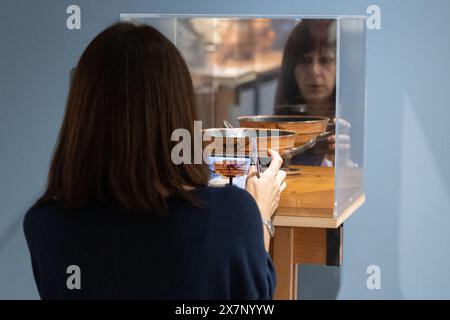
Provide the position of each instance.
(403, 226)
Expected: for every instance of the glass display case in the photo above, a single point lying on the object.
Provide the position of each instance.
(299, 73)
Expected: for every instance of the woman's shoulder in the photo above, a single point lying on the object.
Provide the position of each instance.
(229, 192)
(39, 212)
(233, 204)
(231, 197)
(50, 215)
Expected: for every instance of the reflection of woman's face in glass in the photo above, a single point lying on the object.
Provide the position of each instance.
(316, 76)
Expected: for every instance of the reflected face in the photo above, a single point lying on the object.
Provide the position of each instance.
(316, 76)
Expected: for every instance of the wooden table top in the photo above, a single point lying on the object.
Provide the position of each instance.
(308, 200)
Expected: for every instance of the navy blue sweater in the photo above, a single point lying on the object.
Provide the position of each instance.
(213, 252)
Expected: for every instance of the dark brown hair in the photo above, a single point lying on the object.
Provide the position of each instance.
(130, 90)
(308, 36)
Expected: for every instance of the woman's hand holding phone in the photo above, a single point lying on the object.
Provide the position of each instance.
(268, 187)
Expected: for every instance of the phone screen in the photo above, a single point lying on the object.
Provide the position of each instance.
(217, 179)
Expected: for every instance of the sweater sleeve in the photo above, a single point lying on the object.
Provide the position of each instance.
(252, 266)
